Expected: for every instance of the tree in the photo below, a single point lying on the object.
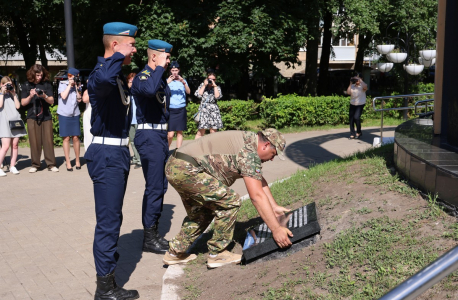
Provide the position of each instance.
(32, 29)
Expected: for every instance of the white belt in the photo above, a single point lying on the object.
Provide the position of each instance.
(110, 141)
(152, 126)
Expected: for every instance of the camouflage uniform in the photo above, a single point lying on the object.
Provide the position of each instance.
(205, 192)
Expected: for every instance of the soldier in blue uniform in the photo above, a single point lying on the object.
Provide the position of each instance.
(152, 98)
(108, 155)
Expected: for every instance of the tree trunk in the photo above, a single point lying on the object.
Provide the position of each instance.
(311, 64)
(363, 45)
(28, 52)
(325, 51)
(41, 46)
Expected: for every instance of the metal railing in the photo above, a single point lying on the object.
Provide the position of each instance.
(396, 108)
(426, 278)
(426, 113)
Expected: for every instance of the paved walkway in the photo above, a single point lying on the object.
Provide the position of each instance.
(47, 222)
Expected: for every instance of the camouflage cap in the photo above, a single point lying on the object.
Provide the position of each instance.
(277, 139)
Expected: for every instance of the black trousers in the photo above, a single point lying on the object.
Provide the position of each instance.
(355, 118)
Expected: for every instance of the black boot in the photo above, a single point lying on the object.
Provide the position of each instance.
(108, 290)
(153, 242)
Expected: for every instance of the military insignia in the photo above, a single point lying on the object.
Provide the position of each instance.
(126, 32)
(143, 77)
(146, 72)
(101, 65)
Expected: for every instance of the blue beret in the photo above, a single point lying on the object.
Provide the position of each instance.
(160, 46)
(73, 71)
(174, 64)
(119, 28)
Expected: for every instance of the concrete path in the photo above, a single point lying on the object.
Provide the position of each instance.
(47, 221)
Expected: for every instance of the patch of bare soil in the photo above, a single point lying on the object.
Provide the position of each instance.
(343, 202)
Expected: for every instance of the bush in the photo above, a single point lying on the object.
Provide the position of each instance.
(293, 110)
(234, 114)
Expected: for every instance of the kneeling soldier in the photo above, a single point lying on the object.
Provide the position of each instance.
(202, 172)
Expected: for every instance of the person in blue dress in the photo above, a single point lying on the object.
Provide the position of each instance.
(108, 155)
(178, 117)
(152, 98)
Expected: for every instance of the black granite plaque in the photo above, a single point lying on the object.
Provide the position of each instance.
(302, 222)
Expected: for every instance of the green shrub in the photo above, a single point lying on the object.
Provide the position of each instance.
(293, 110)
(234, 114)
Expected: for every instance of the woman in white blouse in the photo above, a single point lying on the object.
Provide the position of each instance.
(357, 91)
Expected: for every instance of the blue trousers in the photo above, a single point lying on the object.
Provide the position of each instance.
(153, 147)
(108, 167)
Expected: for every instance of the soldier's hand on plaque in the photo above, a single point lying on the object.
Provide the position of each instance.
(280, 210)
(280, 235)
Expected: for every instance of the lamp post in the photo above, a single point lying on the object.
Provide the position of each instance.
(426, 59)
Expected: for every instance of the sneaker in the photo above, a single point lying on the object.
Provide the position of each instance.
(54, 169)
(2, 173)
(180, 259)
(33, 170)
(14, 170)
(223, 258)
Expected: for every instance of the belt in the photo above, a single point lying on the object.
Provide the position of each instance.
(185, 157)
(110, 141)
(152, 126)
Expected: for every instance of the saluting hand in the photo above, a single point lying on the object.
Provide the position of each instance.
(161, 59)
(124, 49)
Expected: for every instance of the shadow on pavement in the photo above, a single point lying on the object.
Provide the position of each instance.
(309, 151)
(130, 246)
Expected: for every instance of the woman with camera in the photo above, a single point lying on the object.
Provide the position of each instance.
(70, 95)
(210, 116)
(9, 104)
(357, 91)
(37, 97)
(178, 116)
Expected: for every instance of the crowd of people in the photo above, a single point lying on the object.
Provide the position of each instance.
(145, 110)
(36, 97)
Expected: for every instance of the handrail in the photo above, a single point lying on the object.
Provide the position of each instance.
(394, 108)
(426, 278)
(426, 106)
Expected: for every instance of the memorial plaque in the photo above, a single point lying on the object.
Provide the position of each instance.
(302, 222)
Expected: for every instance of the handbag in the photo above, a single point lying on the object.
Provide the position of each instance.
(196, 116)
(17, 124)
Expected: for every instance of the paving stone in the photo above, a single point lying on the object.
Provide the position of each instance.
(46, 231)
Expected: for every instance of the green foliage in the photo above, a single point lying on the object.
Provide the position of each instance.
(234, 114)
(293, 110)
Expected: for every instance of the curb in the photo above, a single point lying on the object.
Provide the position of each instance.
(168, 288)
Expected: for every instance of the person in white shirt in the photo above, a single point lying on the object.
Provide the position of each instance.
(357, 91)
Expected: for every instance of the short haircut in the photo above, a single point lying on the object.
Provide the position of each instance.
(108, 39)
(264, 139)
(152, 51)
(37, 69)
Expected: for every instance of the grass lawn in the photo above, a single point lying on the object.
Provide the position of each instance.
(376, 231)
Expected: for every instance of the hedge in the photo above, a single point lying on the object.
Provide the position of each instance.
(234, 114)
(293, 110)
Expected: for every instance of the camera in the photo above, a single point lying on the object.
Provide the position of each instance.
(354, 80)
(77, 80)
(39, 92)
(210, 81)
(9, 87)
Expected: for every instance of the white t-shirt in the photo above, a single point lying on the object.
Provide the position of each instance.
(358, 96)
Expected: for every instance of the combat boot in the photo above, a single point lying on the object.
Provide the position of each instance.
(153, 241)
(108, 290)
